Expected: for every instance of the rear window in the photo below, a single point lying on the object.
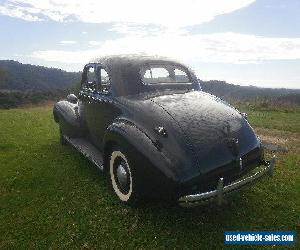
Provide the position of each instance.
(164, 74)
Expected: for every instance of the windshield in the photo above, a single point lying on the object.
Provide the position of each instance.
(164, 73)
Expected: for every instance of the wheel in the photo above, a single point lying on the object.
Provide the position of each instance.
(62, 139)
(123, 177)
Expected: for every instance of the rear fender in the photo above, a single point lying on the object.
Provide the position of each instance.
(126, 133)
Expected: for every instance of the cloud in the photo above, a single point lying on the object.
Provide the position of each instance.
(138, 29)
(169, 13)
(28, 14)
(94, 43)
(216, 48)
(67, 42)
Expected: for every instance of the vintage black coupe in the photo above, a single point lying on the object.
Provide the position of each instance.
(145, 121)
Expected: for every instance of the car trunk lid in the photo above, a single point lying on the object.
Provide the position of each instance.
(218, 133)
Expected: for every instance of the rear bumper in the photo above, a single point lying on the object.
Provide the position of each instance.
(221, 190)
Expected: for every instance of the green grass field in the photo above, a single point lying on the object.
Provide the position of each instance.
(52, 197)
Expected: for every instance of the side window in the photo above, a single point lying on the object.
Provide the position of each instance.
(155, 75)
(181, 76)
(90, 80)
(104, 77)
(104, 84)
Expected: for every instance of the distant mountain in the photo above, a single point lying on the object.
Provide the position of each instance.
(26, 77)
(231, 92)
(25, 82)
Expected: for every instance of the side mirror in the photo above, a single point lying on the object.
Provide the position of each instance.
(72, 98)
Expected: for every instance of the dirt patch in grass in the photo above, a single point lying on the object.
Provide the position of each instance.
(45, 104)
(285, 139)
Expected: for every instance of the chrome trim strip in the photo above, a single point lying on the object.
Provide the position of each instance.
(195, 199)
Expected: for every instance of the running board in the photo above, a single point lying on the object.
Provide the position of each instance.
(87, 149)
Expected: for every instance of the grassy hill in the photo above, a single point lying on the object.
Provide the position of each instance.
(237, 93)
(26, 77)
(29, 84)
(52, 197)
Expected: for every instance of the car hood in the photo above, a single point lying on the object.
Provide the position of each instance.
(211, 126)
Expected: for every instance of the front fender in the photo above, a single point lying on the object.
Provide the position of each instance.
(125, 132)
(66, 114)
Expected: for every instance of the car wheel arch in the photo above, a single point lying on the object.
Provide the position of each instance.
(123, 133)
(152, 176)
(114, 137)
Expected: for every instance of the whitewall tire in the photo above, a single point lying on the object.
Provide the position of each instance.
(121, 176)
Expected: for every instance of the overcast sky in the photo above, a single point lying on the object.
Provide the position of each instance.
(244, 42)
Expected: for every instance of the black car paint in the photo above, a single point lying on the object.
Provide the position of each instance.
(200, 127)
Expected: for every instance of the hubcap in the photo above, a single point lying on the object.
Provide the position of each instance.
(122, 177)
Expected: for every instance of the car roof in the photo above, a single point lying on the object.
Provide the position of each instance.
(124, 71)
(131, 60)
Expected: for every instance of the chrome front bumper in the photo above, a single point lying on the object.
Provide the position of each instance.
(218, 194)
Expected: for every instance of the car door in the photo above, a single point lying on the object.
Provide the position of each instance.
(86, 96)
(100, 108)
